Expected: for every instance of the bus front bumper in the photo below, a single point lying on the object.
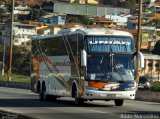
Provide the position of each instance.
(111, 95)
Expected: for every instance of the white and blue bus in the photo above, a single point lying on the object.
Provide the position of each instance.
(85, 64)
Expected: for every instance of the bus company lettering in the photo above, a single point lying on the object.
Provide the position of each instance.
(110, 42)
(63, 63)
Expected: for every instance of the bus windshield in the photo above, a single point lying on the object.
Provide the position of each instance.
(110, 67)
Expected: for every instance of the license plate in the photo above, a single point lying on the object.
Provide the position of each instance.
(111, 95)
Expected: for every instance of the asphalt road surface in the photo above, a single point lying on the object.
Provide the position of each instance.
(25, 102)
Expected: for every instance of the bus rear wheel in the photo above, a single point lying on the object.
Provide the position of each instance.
(42, 94)
(53, 97)
(119, 102)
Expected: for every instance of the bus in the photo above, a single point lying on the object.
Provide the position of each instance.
(85, 64)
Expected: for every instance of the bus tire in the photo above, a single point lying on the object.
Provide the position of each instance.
(42, 93)
(53, 97)
(78, 101)
(119, 102)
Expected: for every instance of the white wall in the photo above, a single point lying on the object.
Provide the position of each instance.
(117, 18)
(23, 35)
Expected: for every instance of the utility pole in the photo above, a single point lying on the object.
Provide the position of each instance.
(138, 41)
(158, 71)
(4, 52)
(11, 39)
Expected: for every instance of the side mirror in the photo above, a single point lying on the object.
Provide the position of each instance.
(83, 58)
(141, 59)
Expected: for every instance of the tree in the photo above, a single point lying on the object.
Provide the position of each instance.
(156, 49)
(21, 59)
(115, 2)
(36, 13)
(81, 19)
(134, 6)
(106, 2)
(85, 20)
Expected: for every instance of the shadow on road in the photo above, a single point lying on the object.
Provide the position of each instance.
(38, 103)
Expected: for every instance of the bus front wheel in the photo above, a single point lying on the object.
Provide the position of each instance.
(78, 101)
(119, 102)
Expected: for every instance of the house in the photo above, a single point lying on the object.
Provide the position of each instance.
(45, 30)
(121, 20)
(151, 68)
(36, 23)
(28, 2)
(53, 19)
(157, 9)
(85, 1)
(133, 23)
(23, 34)
(22, 10)
(105, 22)
(55, 28)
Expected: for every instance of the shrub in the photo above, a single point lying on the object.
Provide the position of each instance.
(155, 86)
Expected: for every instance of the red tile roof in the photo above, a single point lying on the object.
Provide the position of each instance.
(29, 2)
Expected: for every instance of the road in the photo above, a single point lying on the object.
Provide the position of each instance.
(26, 102)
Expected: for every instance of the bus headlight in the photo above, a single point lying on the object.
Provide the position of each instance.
(130, 89)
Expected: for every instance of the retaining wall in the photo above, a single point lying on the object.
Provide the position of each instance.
(148, 96)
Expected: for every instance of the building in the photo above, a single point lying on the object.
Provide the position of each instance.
(23, 34)
(55, 28)
(91, 10)
(28, 2)
(120, 19)
(53, 19)
(157, 9)
(152, 66)
(104, 22)
(133, 23)
(36, 23)
(45, 30)
(22, 10)
(85, 1)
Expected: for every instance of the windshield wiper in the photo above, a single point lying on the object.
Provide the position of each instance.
(119, 73)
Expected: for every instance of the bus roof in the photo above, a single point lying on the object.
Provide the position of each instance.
(86, 31)
(95, 31)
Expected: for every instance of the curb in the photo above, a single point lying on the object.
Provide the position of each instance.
(12, 115)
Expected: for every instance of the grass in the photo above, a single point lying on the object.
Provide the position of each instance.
(16, 78)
